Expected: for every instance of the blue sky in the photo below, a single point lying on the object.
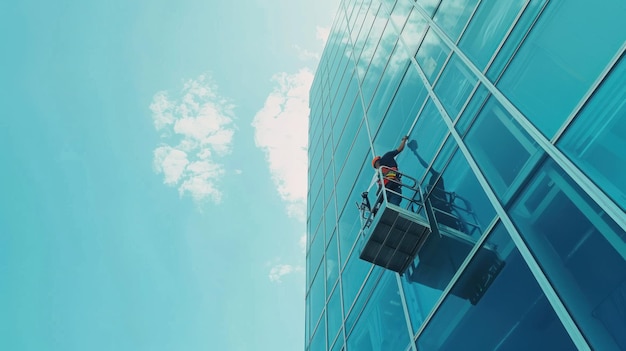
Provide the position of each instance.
(154, 173)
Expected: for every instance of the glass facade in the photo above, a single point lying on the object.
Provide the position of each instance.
(516, 117)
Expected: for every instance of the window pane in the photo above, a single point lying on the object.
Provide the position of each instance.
(429, 5)
(382, 326)
(582, 251)
(495, 305)
(319, 339)
(366, 43)
(452, 16)
(349, 227)
(454, 86)
(458, 193)
(596, 141)
(394, 72)
(403, 110)
(332, 265)
(316, 250)
(429, 133)
(474, 106)
(504, 152)
(560, 59)
(462, 212)
(363, 297)
(414, 31)
(334, 315)
(487, 29)
(515, 38)
(375, 56)
(431, 55)
(317, 298)
(353, 278)
(401, 13)
(352, 167)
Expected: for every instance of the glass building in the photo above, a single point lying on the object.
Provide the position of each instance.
(516, 116)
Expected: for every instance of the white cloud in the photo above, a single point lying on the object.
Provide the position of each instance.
(281, 130)
(302, 243)
(281, 270)
(197, 127)
(161, 109)
(171, 162)
(322, 34)
(304, 54)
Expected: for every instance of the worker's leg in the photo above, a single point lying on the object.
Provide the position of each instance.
(394, 197)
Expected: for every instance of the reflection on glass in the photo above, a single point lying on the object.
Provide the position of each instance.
(429, 133)
(400, 13)
(504, 152)
(479, 42)
(388, 85)
(365, 44)
(431, 55)
(582, 251)
(379, 64)
(375, 39)
(560, 60)
(319, 339)
(473, 107)
(469, 202)
(428, 5)
(352, 167)
(353, 278)
(381, 327)
(330, 216)
(452, 16)
(316, 250)
(403, 110)
(414, 30)
(354, 311)
(332, 264)
(455, 85)
(338, 346)
(334, 315)
(458, 219)
(351, 128)
(596, 141)
(505, 310)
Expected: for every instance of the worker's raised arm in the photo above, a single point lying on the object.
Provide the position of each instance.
(401, 146)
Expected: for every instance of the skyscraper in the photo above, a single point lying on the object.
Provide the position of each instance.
(511, 234)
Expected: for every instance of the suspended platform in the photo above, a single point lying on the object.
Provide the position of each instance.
(394, 237)
(409, 238)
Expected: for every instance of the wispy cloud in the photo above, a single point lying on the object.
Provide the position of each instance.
(305, 55)
(196, 126)
(322, 33)
(281, 130)
(302, 243)
(280, 270)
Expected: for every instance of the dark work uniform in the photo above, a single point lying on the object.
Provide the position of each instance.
(388, 160)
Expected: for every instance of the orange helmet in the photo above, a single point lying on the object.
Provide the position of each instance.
(377, 158)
